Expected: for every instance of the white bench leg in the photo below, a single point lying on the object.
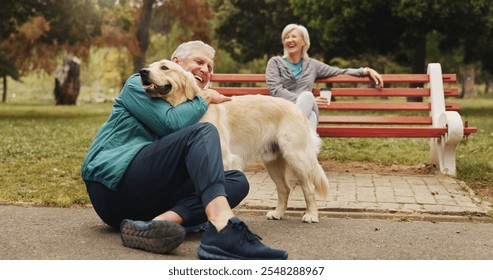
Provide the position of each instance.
(442, 150)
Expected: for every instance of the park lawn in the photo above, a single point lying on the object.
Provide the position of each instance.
(42, 147)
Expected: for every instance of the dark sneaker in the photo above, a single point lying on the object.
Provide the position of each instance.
(235, 242)
(197, 228)
(159, 237)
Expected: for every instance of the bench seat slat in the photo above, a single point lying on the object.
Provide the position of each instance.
(386, 132)
(470, 130)
(386, 106)
(381, 132)
(407, 120)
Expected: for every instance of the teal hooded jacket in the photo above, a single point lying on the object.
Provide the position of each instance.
(136, 120)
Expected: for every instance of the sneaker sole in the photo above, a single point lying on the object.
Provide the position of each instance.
(207, 252)
(160, 237)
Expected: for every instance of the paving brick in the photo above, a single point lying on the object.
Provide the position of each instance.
(433, 208)
(376, 193)
(405, 199)
(392, 207)
(403, 192)
(412, 207)
(425, 199)
(445, 200)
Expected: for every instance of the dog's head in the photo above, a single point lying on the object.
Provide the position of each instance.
(169, 81)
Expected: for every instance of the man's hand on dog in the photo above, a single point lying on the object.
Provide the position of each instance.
(213, 97)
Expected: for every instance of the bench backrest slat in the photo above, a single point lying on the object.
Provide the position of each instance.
(356, 92)
(388, 92)
(234, 78)
(388, 78)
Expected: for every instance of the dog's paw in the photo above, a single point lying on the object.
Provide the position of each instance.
(310, 218)
(274, 215)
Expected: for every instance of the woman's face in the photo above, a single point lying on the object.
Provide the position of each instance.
(293, 42)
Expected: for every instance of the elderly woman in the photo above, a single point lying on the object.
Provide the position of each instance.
(292, 75)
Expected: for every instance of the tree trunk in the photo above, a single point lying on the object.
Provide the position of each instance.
(418, 65)
(468, 88)
(4, 94)
(488, 87)
(143, 34)
(67, 81)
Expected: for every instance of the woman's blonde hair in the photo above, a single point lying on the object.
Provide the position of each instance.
(304, 34)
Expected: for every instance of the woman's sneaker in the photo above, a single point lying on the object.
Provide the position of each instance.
(235, 242)
(154, 236)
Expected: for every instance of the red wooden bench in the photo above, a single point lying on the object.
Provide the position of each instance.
(354, 113)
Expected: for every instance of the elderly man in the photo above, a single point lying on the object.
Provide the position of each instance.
(152, 171)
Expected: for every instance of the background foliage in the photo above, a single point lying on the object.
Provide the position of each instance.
(114, 38)
(35, 34)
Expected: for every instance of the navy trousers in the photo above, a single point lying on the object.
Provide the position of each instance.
(181, 172)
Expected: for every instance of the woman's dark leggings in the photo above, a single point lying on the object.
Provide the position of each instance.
(181, 172)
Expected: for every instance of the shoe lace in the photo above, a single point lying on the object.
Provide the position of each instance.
(245, 231)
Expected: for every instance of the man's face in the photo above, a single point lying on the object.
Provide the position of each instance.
(199, 64)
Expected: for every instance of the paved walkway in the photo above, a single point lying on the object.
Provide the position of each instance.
(439, 207)
(374, 195)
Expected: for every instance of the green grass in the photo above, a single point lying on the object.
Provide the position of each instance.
(41, 150)
(475, 157)
(42, 147)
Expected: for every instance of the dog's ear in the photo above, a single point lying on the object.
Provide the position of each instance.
(191, 87)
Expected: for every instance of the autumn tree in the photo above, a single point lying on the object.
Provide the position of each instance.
(13, 13)
(142, 33)
(36, 31)
(41, 29)
(7, 68)
(191, 15)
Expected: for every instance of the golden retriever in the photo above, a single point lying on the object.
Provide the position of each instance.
(252, 127)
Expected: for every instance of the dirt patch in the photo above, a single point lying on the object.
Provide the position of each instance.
(365, 167)
(482, 191)
(368, 167)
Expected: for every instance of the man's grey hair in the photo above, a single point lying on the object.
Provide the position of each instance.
(304, 34)
(185, 49)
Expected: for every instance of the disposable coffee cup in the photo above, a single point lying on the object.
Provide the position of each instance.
(327, 94)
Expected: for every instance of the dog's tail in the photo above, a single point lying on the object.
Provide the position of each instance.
(319, 178)
(320, 181)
